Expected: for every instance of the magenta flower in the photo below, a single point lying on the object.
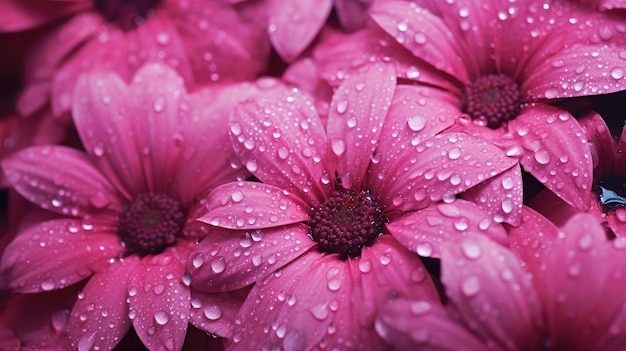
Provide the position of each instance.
(495, 65)
(580, 278)
(129, 206)
(204, 41)
(492, 304)
(315, 234)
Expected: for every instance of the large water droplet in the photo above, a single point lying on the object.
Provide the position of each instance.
(470, 286)
(213, 312)
(542, 157)
(161, 317)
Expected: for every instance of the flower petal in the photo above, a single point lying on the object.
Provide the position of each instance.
(422, 325)
(280, 139)
(600, 142)
(487, 285)
(425, 35)
(250, 205)
(426, 230)
(294, 24)
(531, 239)
(58, 253)
(28, 14)
(215, 313)
(100, 316)
(437, 168)
(557, 153)
(357, 113)
(60, 179)
(501, 196)
(159, 302)
(229, 260)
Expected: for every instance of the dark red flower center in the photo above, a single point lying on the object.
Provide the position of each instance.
(612, 194)
(126, 14)
(493, 99)
(346, 222)
(151, 223)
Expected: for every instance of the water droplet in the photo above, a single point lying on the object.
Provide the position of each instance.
(454, 153)
(424, 249)
(542, 157)
(218, 265)
(158, 105)
(252, 165)
(338, 146)
(198, 260)
(98, 149)
(402, 26)
(236, 196)
(282, 152)
(420, 307)
(161, 317)
(351, 122)
(471, 250)
(508, 183)
(420, 38)
(417, 123)
(213, 312)
(585, 242)
(507, 205)
(617, 73)
(320, 311)
(48, 284)
(470, 286)
(342, 106)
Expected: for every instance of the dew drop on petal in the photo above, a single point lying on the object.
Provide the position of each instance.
(161, 317)
(470, 286)
(542, 157)
(236, 196)
(424, 249)
(342, 106)
(617, 73)
(417, 123)
(213, 312)
(338, 146)
(470, 250)
(218, 265)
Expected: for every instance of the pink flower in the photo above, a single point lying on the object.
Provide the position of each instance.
(129, 206)
(580, 278)
(204, 41)
(321, 235)
(492, 304)
(494, 65)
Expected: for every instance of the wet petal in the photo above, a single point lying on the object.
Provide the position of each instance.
(100, 317)
(530, 240)
(280, 139)
(58, 253)
(500, 196)
(487, 285)
(425, 231)
(29, 14)
(437, 168)
(425, 35)
(250, 205)
(307, 304)
(423, 325)
(294, 24)
(215, 313)
(60, 179)
(357, 112)
(601, 144)
(159, 302)
(229, 260)
(556, 152)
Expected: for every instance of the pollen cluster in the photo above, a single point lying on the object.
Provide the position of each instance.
(346, 222)
(494, 99)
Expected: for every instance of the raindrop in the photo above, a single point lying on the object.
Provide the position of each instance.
(424, 249)
(471, 250)
(48, 284)
(420, 38)
(351, 122)
(320, 312)
(342, 106)
(585, 242)
(252, 165)
(454, 153)
(542, 157)
(282, 152)
(198, 260)
(213, 312)
(338, 146)
(470, 286)
(98, 149)
(507, 205)
(508, 183)
(158, 105)
(217, 264)
(236, 196)
(161, 317)
(617, 73)
(402, 26)
(365, 266)
(417, 123)
(420, 307)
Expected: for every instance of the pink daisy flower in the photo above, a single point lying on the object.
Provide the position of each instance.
(129, 206)
(314, 235)
(204, 41)
(495, 65)
(580, 278)
(492, 304)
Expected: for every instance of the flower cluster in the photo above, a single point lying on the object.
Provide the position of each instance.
(309, 175)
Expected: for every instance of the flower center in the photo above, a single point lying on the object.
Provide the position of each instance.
(612, 194)
(346, 222)
(150, 223)
(493, 99)
(126, 14)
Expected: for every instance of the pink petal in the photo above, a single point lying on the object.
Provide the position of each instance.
(500, 196)
(112, 142)
(278, 136)
(250, 205)
(215, 313)
(229, 260)
(620, 160)
(304, 74)
(33, 97)
(423, 325)
(308, 304)
(158, 95)
(425, 35)
(28, 14)
(60, 179)
(487, 286)
(557, 153)
(58, 253)
(205, 123)
(100, 316)
(357, 114)
(600, 142)
(426, 230)
(294, 24)
(437, 168)
(353, 14)
(341, 55)
(579, 277)
(603, 73)
(617, 221)
(159, 302)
